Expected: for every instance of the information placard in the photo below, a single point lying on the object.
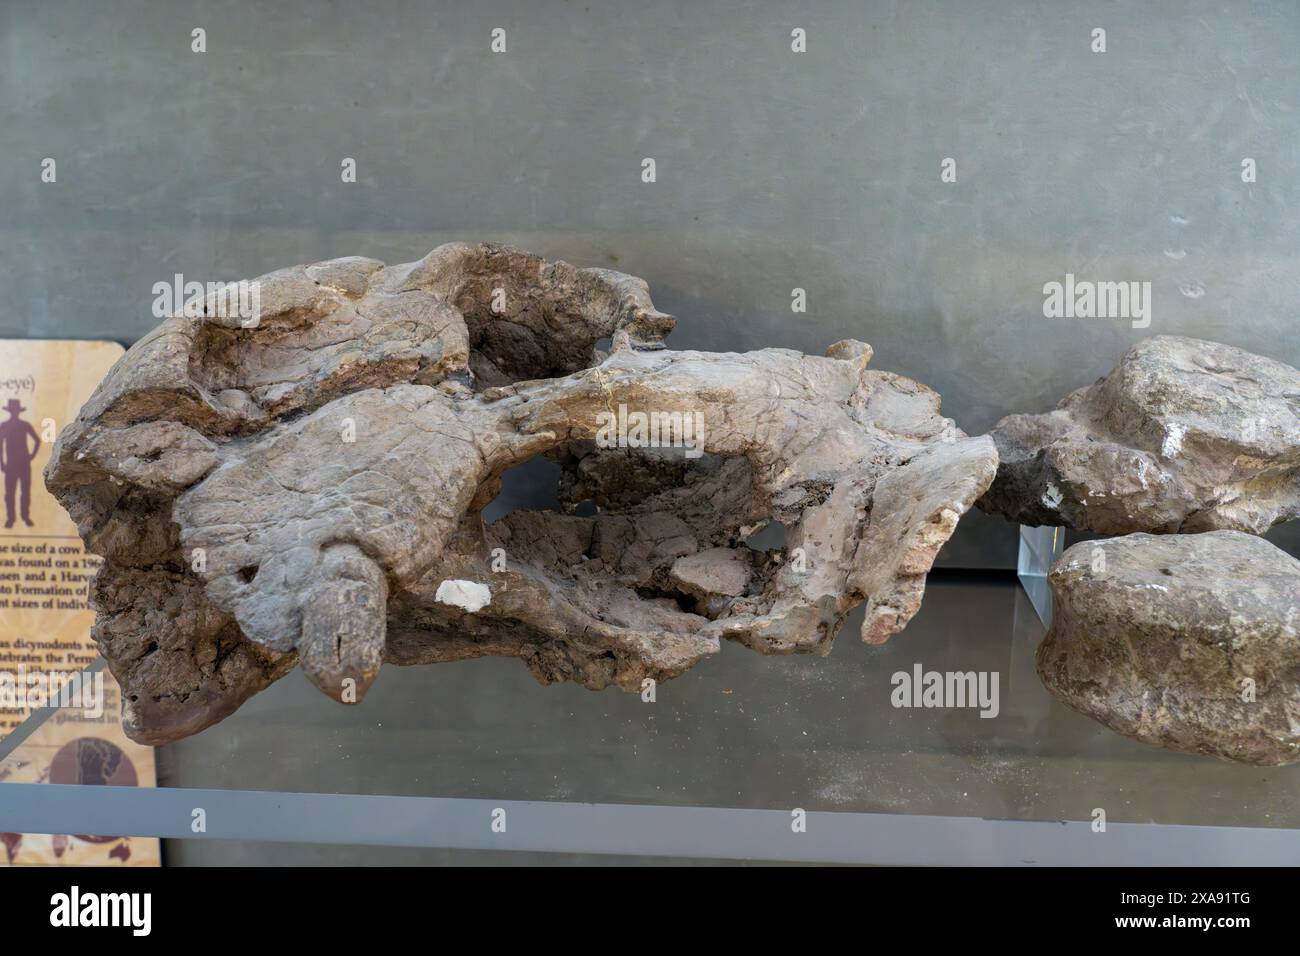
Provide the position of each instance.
(45, 618)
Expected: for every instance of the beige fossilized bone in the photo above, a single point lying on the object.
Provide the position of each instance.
(1184, 435)
(309, 488)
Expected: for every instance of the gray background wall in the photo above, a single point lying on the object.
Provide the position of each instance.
(775, 169)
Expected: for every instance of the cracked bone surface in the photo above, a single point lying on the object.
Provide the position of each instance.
(309, 489)
(1183, 435)
(1188, 642)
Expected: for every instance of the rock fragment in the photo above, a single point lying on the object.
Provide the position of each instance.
(1184, 435)
(1187, 642)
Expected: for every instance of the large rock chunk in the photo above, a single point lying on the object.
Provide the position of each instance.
(1189, 642)
(1184, 435)
(309, 488)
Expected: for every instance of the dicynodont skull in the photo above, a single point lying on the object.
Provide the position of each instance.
(308, 487)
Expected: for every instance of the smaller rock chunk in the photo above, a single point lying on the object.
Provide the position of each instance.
(713, 576)
(1188, 642)
(1183, 435)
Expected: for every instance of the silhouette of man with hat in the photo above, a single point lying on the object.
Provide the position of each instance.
(16, 462)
